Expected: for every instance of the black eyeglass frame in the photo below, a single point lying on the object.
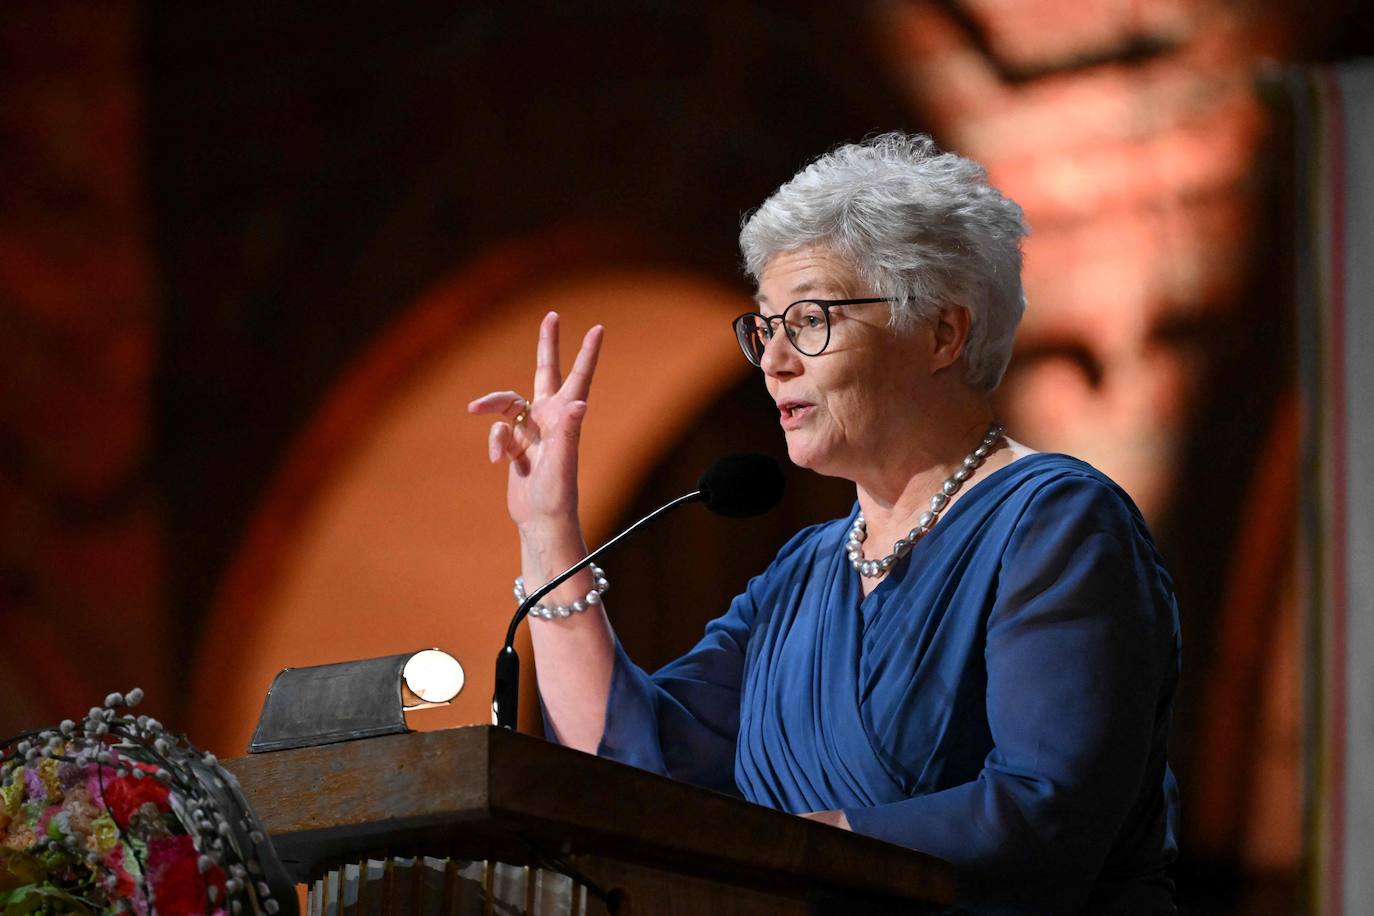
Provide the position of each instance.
(825, 304)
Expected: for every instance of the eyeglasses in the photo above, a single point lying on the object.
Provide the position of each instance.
(807, 323)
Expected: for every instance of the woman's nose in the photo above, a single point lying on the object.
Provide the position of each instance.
(779, 356)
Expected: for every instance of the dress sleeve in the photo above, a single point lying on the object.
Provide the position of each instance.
(683, 720)
(1081, 656)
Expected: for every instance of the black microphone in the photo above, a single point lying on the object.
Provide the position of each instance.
(738, 486)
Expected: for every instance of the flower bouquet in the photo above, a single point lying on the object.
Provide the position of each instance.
(114, 815)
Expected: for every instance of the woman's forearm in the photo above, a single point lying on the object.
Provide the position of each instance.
(574, 656)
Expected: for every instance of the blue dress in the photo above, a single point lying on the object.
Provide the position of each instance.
(1001, 700)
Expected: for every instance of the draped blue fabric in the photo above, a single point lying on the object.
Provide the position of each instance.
(1001, 700)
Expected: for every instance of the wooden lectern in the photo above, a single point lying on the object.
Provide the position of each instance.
(404, 823)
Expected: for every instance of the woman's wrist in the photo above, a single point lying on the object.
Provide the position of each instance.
(552, 611)
(546, 549)
(554, 532)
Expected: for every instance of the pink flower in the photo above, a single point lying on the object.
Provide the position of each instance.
(97, 777)
(33, 784)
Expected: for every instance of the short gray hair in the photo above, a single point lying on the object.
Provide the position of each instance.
(917, 224)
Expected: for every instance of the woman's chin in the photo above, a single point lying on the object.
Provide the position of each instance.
(804, 457)
(798, 454)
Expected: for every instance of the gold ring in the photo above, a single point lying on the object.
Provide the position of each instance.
(522, 415)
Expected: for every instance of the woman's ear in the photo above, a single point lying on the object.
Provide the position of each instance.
(950, 329)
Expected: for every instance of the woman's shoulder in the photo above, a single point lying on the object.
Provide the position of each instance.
(1049, 487)
(1048, 496)
(1028, 477)
(1058, 507)
(1037, 465)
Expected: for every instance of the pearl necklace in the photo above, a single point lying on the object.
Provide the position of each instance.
(872, 569)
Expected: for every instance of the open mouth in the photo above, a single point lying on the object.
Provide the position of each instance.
(791, 410)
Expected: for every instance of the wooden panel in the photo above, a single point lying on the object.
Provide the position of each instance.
(489, 793)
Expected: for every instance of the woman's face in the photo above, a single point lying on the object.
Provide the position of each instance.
(839, 410)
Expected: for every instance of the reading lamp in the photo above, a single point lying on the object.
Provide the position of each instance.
(345, 701)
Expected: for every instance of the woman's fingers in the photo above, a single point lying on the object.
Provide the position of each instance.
(547, 376)
(507, 440)
(504, 442)
(579, 381)
(560, 446)
(570, 424)
(555, 413)
(508, 403)
(498, 441)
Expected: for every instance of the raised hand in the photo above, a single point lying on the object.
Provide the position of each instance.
(539, 437)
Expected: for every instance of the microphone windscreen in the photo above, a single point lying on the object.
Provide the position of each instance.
(740, 486)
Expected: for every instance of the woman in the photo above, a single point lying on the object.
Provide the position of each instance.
(994, 687)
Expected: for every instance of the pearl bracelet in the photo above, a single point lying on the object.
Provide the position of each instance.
(560, 611)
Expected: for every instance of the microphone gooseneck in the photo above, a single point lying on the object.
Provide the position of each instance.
(737, 486)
